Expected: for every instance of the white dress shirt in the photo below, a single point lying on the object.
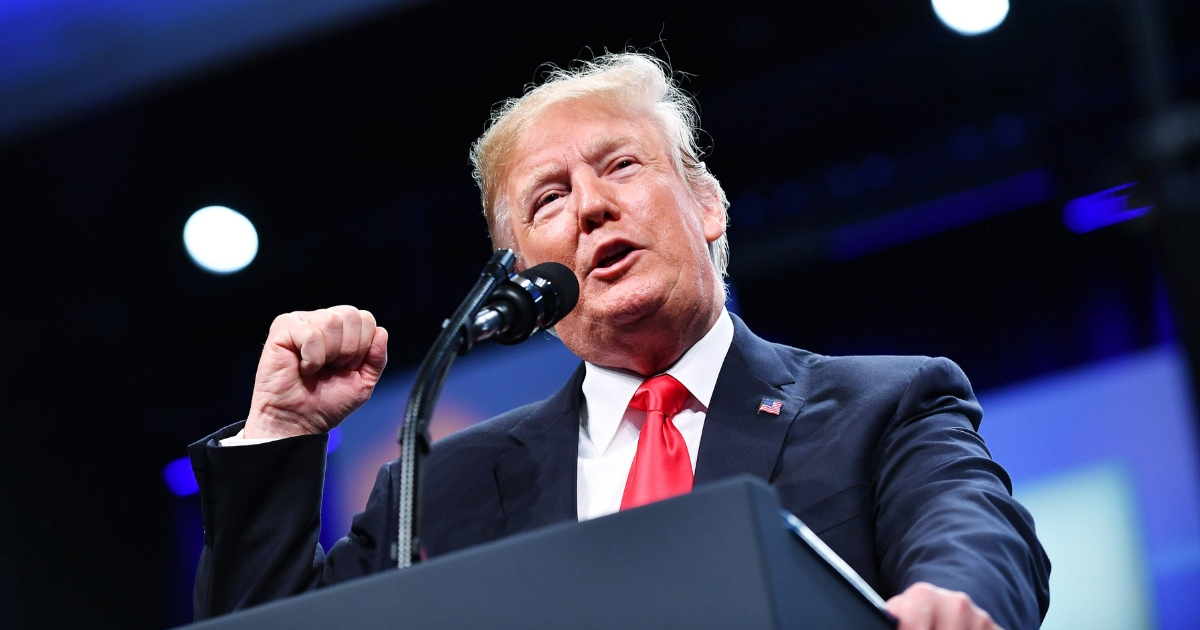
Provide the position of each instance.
(609, 430)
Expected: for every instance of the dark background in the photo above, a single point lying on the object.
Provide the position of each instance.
(348, 151)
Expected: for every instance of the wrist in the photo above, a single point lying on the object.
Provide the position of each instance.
(263, 425)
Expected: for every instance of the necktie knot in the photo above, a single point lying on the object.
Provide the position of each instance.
(663, 394)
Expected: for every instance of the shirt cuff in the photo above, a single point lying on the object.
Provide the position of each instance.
(238, 440)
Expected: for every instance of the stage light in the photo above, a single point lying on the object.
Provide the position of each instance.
(971, 17)
(181, 480)
(1101, 209)
(220, 240)
(940, 215)
(179, 477)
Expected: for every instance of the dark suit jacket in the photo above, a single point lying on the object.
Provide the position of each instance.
(877, 455)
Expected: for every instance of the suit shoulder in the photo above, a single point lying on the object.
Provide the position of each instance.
(869, 372)
(858, 366)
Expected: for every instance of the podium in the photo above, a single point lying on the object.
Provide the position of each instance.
(722, 556)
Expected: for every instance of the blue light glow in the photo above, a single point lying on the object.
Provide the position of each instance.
(67, 56)
(941, 215)
(1101, 209)
(180, 478)
(182, 481)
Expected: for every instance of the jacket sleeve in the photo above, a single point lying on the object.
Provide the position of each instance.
(262, 520)
(945, 512)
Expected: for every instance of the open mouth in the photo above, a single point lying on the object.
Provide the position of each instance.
(616, 256)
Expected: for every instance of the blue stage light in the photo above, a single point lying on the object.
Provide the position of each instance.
(220, 240)
(940, 215)
(1100, 210)
(182, 481)
(971, 17)
(179, 477)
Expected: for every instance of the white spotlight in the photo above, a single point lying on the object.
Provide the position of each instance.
(220, 240)
(971, 17)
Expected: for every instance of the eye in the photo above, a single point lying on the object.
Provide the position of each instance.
(624, 163)
(550, 198)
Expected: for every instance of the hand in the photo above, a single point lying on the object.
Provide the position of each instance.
(316, 368)
(924, 606)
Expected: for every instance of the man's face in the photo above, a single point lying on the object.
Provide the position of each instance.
(594, 187)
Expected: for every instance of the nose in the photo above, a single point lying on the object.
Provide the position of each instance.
(596, 205)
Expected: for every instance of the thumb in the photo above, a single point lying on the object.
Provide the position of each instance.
(376, 359)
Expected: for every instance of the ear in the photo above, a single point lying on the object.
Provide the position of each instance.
(712, 212)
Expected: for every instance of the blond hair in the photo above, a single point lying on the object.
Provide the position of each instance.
(629, 80)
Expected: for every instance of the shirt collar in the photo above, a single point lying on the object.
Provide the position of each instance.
(607, 392)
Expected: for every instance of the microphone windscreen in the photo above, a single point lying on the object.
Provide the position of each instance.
(564, 282)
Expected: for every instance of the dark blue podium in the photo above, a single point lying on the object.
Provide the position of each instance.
(723, 556)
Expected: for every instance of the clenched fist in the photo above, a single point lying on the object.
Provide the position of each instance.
(316, 368)
(924, 606)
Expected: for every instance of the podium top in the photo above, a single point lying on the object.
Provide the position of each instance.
(720, 556)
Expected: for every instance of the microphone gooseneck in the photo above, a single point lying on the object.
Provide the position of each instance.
(525, 303)
(501, 305)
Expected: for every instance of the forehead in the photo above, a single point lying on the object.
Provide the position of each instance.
(579, 130)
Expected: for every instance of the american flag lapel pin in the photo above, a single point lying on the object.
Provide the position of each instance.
(771, 406)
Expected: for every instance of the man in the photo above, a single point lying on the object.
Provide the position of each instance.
(598, 169)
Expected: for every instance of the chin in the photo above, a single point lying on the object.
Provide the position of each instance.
(628, 306)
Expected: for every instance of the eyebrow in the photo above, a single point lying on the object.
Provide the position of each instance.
(609, 143)
(595, 147)
(536, 178)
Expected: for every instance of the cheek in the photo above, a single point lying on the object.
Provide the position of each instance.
(549, 241)
(683, 219)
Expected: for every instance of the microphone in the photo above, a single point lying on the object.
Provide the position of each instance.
(527, 302)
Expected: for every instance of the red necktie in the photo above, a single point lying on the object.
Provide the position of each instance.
(661, 468)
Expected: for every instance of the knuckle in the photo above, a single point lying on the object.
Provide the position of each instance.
(327, 319)
(307, 334)
(344, 310)
(283, 320)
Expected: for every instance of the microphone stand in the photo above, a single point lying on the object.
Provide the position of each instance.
(455, 339)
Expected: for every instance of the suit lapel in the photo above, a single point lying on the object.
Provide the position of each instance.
(538, 480)
(737, 438)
